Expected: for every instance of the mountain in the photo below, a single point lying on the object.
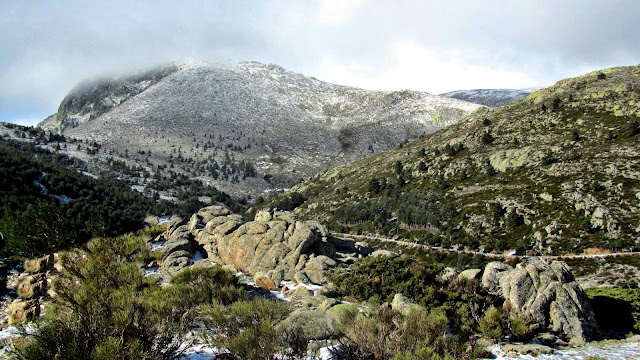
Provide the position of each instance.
(489, 97)
(245, 127)
(556, 172)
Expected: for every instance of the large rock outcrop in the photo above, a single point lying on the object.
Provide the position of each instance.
(546, 292)
(493, 272)
(274, 247)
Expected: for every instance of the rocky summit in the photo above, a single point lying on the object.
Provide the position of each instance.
(274, 125)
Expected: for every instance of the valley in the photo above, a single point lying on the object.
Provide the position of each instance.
(302, 220)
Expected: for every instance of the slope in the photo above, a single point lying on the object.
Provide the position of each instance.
(248, 127)
(556, 172)
(489, 97)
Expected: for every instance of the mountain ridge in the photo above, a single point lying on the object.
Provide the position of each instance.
(285, 125)
(490, 97)
(553, 173)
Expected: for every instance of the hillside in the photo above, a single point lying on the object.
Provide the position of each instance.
(246, 127)
(554, 173)
(489, 97)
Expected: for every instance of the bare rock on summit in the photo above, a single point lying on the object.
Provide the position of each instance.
(546, 292)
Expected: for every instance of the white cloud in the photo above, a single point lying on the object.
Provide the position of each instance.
(336, 12)
(413, 66)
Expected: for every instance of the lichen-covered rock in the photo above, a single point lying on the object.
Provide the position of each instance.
(311, 323)
(301, 278)
(38, 265)
(263, 215)
(174, 262)
(448, 274)
(181, 239)
(403, 304)
(493, 272)
(363, 248)
(301, 291)
(264, 280)
(316, 267)
(275, 245)
(470, 274)
(21, 311)
(546, 292)
(31, 286)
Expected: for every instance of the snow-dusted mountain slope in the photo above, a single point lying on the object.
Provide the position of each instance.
(289, 126)
(489, 97)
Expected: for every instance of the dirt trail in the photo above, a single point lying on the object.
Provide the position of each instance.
(410, 244)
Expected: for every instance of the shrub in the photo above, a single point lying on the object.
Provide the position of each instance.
(514, 219)
(246, 328)
(633, 127)
(106, 309)
(519, 327)
(491, 323)
(486, 138)
(616, 309)
(386, 333)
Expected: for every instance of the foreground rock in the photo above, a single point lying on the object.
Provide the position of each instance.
(274, 247)
(545, 292)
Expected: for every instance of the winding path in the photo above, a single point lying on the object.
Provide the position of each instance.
(410, 244)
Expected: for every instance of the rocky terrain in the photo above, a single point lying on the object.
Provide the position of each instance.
(553, 173)
(489, 97)
(245, 127)
(274, 247)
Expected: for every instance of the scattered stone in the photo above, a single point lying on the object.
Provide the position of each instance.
(38, 265)
(21, 311)
(263, 280)
(403, 304)
(526, 349)
(493, 272)
(379, 253)
(448, 274)
(470, 274)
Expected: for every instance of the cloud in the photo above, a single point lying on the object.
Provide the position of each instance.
(434, 46)
(336, 12)
(416, 67)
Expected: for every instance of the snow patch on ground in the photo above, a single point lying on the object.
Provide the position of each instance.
(618, 350)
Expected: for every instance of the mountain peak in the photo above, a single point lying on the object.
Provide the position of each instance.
(289, 126)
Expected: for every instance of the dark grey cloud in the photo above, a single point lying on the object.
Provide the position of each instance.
(47, 47)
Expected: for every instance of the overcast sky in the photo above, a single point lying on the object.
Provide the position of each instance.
(46, 47)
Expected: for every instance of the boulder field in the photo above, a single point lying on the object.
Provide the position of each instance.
(275, 246)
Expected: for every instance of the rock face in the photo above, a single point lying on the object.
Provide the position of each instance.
(546, 292)
(274, 247)
(493, 272)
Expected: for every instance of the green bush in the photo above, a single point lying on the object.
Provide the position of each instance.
(246, 328)
(491, 324)
(107, 309)
(615, 308)
(385, 333)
